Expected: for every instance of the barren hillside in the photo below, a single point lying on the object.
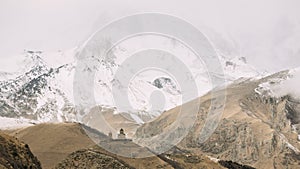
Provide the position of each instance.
(255, 129)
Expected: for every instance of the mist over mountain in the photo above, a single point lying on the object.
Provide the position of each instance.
(41, 88)
(264, 32)
(136, 84)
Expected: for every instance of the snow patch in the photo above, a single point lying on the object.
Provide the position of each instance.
(289, 86)
(213, 159)
(13, 123)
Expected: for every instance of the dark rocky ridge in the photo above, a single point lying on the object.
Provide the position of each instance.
(234, 165)
(15, 154)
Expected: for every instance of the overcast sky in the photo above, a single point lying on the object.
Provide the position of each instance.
(267, 32)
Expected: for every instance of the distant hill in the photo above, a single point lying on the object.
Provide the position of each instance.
(66, 145)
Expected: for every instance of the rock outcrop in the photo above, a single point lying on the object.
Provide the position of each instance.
(15, 154)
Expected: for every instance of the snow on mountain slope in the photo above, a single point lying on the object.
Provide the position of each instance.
(234, 66)
(5, 76)
(13, 123)
(40, 86)
(290, 86)
(282, 84)
(35, 92)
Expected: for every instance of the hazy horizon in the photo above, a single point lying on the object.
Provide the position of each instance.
(266, 33)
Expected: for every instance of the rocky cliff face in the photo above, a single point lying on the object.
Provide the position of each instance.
(260, 135)
(256, 129)
(292, 109)
(15, 154)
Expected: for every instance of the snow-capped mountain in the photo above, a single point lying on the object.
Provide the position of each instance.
(35, 92)
(41, 88)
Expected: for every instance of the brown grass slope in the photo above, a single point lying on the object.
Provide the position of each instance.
(66, 145)
(52, 143)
